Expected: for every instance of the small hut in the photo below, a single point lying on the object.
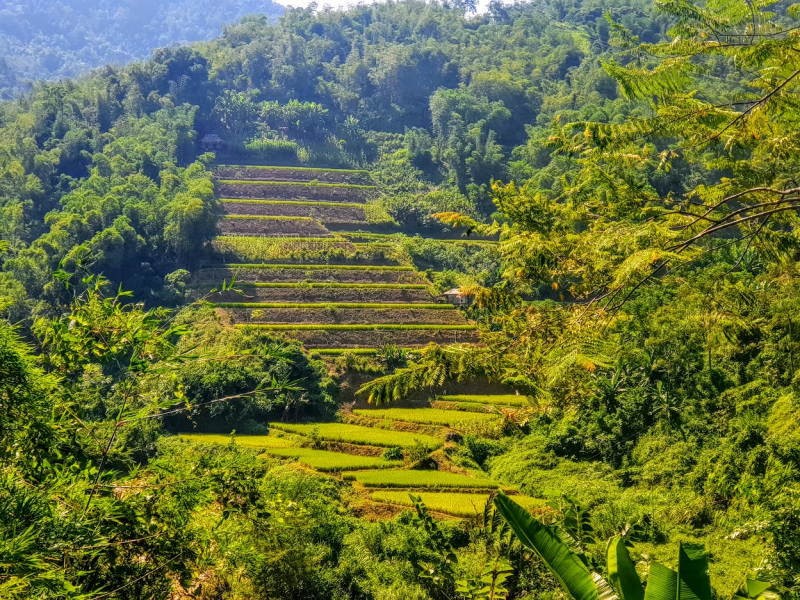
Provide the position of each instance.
(211, 142)
(457, 298)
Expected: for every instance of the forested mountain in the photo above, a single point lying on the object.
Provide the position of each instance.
(611, 187)
(52, 40)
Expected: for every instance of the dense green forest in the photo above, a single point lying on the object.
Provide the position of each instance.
(52, 40)
(632, 404)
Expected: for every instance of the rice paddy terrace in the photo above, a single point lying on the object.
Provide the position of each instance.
(388, 453)
(295, 240)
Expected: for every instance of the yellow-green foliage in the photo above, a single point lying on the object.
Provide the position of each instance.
(456, 504)
(248, 441)
(430, 416)
(322, 460)
(496, 400)
(355, 434)
(408, 478)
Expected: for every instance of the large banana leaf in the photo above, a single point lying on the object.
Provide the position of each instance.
(571, 573)
(695, 583)
(662, 584)
(622, 571)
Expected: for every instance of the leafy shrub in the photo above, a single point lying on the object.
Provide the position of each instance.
(393, 453)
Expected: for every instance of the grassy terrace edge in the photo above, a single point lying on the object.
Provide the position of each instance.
(285, 168)
(316, 267)
(387, 305)
(380, 327)
(401, 236)
(355, 186)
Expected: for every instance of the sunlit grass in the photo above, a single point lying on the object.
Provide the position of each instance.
(323, 460)
(408, 478)
(451, 503)
(248, 441)
(431, 416)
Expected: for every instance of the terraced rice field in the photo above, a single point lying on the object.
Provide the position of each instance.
(354, 455)
(451, 503)
(414, 479)
(356, 434)
(275, 240)
(328, 462)
(428, 416)
(497, 400)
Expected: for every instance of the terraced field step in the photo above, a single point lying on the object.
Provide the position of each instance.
(354, 327)
(296, 228)
(324, 294)
(414, 479)
(247, 441)
(378, 338)
(514, 400)
(335, 212)
(456, 504)
(329, 305)
(426, 416)
(330, 462)
(321, 317)
(282, 173)
(286, 247)
(356, 434)
(300, 273)
(293, 190)
(399, 237)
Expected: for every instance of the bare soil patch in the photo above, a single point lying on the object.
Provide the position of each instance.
(267, 174)
(317, 295)
(333, 275)
(294, 192)
(338, 214)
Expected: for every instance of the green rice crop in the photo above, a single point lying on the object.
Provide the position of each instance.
(399, 237)
(248, 441)
(428, 416)
(387, 306)
(495, 399)
(356, 434)
(306, 184)
(284, 168)
(323, 460)
(268, 218)
(295, 203)
(372, 327)
(408, 478)
(277, 248)
(451, 503)
(365, 286)
(313, 267)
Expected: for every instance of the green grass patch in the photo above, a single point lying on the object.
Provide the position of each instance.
(285, 168)
(306, 184)
(356, 434)
(428, 416)
(407, 478)
(247, 441)
(314, 267)
(388, 305)
(495, 399)
(295, 203)
(323, 460)
(451, 503)
(373, 327)
(269, 218)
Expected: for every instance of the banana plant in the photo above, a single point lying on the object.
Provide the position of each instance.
(689, 582)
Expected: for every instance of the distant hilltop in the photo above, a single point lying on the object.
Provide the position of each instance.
(60, 38)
